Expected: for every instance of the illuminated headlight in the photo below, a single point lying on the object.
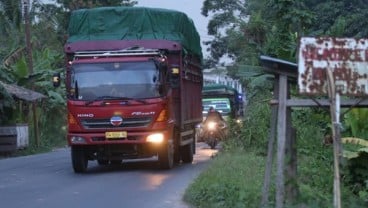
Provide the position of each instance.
(211, 125)
(238, 121)
(155, 138)
(78, 140)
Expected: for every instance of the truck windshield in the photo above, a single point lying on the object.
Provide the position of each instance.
(116, 79)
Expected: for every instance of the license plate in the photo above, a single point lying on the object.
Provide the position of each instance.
(116, 135)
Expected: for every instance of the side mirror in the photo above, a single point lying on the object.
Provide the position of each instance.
(160, 89)
(56, 79)
(174, 77)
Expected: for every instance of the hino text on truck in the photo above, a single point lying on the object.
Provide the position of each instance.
(133, 80)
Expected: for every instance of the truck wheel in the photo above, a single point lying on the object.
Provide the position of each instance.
(176, 146)
(116, 162)
(177, 155)
(79, 159)
(166, 156)
(187, 153)
(103, 162)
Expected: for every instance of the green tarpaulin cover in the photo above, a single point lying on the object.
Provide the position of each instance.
(219, 89)
(134, 23)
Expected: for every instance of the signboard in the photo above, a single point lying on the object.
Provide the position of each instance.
(347, 58)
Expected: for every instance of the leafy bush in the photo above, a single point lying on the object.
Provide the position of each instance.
(315, 162)
(355, 123)
(227, 182)
(355, 170)
(254, 129)
(221, 186)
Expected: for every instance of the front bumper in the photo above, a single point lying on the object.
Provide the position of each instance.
(100, 138)
(134, 146)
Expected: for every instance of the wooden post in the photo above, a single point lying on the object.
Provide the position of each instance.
(281, 135)
(30, 65)
(335, 114)
(291, 188)
(271, 141)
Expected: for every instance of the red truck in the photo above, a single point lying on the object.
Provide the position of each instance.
(133, 80)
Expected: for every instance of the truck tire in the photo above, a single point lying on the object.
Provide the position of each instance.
(177, 155)
(166, 156)
(187, 153)
(116, 162)
(102, 162)
(79, 159)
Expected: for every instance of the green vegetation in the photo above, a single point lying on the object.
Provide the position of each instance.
(48, 24)
(235, 176)
(273, 28)
(226, 183)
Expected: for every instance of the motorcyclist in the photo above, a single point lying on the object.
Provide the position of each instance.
(215, 116)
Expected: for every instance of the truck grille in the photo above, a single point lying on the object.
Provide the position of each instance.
(105, 123)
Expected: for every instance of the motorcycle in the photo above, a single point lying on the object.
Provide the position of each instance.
(212, 132)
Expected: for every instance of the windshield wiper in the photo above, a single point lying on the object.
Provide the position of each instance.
(105, 97)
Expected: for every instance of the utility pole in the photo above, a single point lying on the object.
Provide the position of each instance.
(26, 4)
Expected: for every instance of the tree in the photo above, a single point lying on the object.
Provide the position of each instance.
(244, 30)
(47, 57)
(227, 16)
(10, 21)
(273, 27)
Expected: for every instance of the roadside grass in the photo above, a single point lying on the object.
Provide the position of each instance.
(234, 179)
(235, 176)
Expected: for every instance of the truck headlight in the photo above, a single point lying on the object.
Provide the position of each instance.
(77, 140)
(155, 138)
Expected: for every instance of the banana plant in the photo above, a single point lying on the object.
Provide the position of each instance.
(356, 122)
(45, 64)
(356, 166)
(361, 146)
(6, 101)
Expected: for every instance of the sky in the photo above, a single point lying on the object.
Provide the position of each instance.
(191, 7)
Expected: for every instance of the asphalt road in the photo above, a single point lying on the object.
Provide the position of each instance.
(47, 180)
